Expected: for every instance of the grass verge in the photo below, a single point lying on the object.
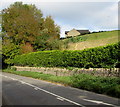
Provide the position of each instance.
(65, 80)
(103, 85)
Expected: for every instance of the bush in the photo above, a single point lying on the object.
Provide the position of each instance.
(94, 58)
(76, 39)
(97, 84)
(9, 51)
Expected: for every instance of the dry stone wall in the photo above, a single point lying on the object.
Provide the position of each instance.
(65, 72)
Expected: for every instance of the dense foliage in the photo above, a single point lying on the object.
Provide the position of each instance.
(95, 57)
(24, 27)
(25, 23)
(106, 85)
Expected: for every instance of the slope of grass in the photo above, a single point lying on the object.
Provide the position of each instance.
(92, 40)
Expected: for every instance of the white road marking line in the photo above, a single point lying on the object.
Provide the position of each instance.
(14, 79)
(35, 87)
(22, 82)
(99, 102)
(54, 95)
(60, 99)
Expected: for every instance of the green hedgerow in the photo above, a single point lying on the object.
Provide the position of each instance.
(98, 57)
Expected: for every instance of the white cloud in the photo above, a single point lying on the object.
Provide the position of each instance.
(100, 15)
(92, 16)
(33, 1)
(108, 18)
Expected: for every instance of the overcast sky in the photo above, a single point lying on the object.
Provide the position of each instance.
(69, 14)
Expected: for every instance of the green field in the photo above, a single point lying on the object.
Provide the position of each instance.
(92, 40)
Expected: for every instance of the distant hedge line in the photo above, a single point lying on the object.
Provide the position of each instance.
(95, 57)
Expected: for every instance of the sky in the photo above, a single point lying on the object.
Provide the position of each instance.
(78, 14)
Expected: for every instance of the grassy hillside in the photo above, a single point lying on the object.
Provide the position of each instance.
(92, 40)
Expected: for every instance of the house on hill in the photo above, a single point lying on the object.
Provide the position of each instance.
(75, 32)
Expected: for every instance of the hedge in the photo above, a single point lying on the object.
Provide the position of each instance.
(99, 57)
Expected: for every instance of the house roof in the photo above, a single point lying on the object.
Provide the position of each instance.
(83, 31)
(80, 31)
(66, 32)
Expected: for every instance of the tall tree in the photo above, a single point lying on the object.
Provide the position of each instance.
(22, 22)
(53, 30)
(24, 30)
(25, 23)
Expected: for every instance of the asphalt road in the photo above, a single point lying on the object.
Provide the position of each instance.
(19, 90)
